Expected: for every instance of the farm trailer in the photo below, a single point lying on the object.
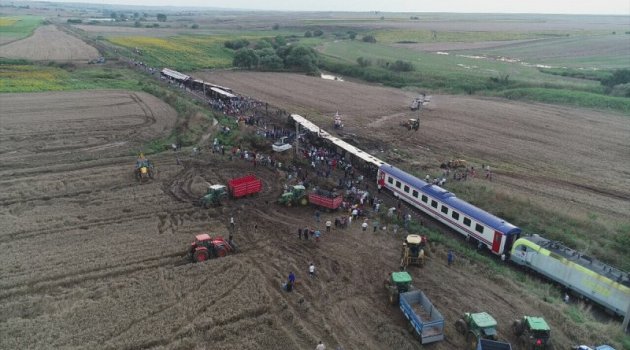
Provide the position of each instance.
(243, 186)
(328, 202)
(487, 344)
(425, 319)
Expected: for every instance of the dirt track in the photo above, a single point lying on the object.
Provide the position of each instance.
(49, 44)
(91, 258)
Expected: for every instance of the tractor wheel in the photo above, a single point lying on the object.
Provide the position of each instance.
(221, 252)
(393, 297)
(303, 201)
(461, 326)
(471, 340)
(517, 327)
(200, 255)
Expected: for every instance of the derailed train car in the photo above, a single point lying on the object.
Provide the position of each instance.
(585, 276)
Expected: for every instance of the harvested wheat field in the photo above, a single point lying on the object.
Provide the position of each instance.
(49, 44)
(93, 258)
(560, 156)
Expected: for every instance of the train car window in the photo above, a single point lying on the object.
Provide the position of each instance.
(455, 215)
(425, 199)
(444, 210)
(415, 193)
(398, 184)
(467, 221)
(390, 180)
(479, 228)
(406, 188)
(434, 204)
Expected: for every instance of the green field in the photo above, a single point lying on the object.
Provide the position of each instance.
(451, 68)
(594, 52)
(179, 52)
(17, 27)
(24, 77)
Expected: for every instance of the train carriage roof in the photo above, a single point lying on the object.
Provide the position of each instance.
(583, 260)
(175, 74)
(452, 201)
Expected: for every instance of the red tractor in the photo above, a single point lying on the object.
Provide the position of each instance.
(205, 247)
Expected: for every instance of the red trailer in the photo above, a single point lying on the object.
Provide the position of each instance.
(242, 186)
(326, 200)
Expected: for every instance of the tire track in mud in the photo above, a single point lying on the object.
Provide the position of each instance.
(118, 218)
(43, 284)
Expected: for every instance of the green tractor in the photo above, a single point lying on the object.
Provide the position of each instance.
(534, 331)
(399, 282)
(295, 195)
(477, 326)
(215, 196)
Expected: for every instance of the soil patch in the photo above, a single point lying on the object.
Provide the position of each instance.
(49, 44)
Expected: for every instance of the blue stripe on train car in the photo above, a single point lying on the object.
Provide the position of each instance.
(450, 200)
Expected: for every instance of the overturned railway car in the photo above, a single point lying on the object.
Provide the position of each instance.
(585, 276)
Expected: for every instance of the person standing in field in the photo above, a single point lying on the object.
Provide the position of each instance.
(311, 270)
(450, 257)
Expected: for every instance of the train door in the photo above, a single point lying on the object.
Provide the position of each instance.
(496, 242)
(381, 179)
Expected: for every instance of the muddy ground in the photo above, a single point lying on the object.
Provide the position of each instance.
(568, 159)
(92, 258)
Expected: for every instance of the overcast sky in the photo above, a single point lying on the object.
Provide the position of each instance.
(615, 7)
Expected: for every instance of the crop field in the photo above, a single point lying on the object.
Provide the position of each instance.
(36, 78)
(50, 44)
(179, 52)
(113, 274)
(586, 52)
(17, 27)
(451, 67)
(93, 258)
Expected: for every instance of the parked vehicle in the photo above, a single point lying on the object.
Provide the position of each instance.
(293, 196)
(534, 331)
(215, 196)
(477, 326)
(281, 145)
(243, 186)
(205, 247)
(397, 283)
(426, 320)
(326, 199)
(413, 251)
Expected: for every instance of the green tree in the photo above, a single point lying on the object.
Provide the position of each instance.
(279, 40)
(302, 58)
(308, 34)
(276, 26)
(619, 76)
(263, 44)
(161, 17)
(245, 58)
(195, 26)
(369, 39)
(318, 32)
(352, 35)
(269, 59)
(137, 24)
